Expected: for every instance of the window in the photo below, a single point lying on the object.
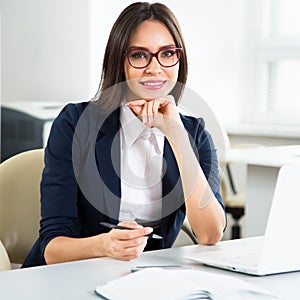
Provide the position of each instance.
(278, 59)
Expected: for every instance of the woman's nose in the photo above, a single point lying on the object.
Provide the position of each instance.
(154, 66)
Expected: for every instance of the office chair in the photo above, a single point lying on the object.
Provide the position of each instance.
(4, 259)
(186, 236)
(20, 178)
(234, 202)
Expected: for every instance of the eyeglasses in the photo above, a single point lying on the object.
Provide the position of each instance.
(140, 58)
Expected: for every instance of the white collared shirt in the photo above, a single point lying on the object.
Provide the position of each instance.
(141, 169)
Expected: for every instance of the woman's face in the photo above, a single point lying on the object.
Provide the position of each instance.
(154, 80)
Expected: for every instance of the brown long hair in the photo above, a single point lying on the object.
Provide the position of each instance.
(131, 17)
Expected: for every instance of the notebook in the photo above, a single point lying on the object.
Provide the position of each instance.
(165, 284)
(275, 252)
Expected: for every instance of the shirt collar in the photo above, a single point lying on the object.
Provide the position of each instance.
(134, 129)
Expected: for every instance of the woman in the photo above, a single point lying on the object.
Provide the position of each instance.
(129, 157)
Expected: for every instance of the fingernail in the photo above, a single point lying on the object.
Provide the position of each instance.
(148, 230)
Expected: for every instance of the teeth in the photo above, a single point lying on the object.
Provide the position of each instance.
(153, 83)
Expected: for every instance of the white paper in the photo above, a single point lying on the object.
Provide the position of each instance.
(157, 283)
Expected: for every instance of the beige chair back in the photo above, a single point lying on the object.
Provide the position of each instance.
(4, 259)
(20, 178)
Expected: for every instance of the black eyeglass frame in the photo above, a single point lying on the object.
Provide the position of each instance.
(151, 54)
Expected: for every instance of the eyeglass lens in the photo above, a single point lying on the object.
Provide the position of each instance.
(141, 58)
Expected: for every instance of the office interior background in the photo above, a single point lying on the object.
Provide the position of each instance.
(244, 59)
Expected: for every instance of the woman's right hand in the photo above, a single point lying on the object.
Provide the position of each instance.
(126, 244)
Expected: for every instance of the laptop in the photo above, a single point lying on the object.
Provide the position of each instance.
(275, 252)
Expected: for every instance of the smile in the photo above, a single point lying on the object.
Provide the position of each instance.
(154, 84)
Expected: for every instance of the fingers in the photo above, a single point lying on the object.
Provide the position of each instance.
(128, 244)
(128, 249)
(130, 224)
(149, 110)
(136, 106)
(136, 231)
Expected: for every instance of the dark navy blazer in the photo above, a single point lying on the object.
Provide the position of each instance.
(81, 185)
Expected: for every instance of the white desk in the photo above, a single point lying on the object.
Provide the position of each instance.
(77, 280)
(263, 164)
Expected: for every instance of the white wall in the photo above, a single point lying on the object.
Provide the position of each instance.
(52, 50)
(44, 50)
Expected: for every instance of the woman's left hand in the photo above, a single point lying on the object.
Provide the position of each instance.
(161, 113)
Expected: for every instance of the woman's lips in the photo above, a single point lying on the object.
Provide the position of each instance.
(153, 84)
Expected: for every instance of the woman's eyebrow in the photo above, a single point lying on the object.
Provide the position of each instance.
(145, 48)
(138, 47)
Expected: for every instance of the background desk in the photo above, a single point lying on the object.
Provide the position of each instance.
(77, 280)
(263, 164)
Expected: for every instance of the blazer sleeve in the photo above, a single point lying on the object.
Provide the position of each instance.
(59, 189)
(206, 153)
